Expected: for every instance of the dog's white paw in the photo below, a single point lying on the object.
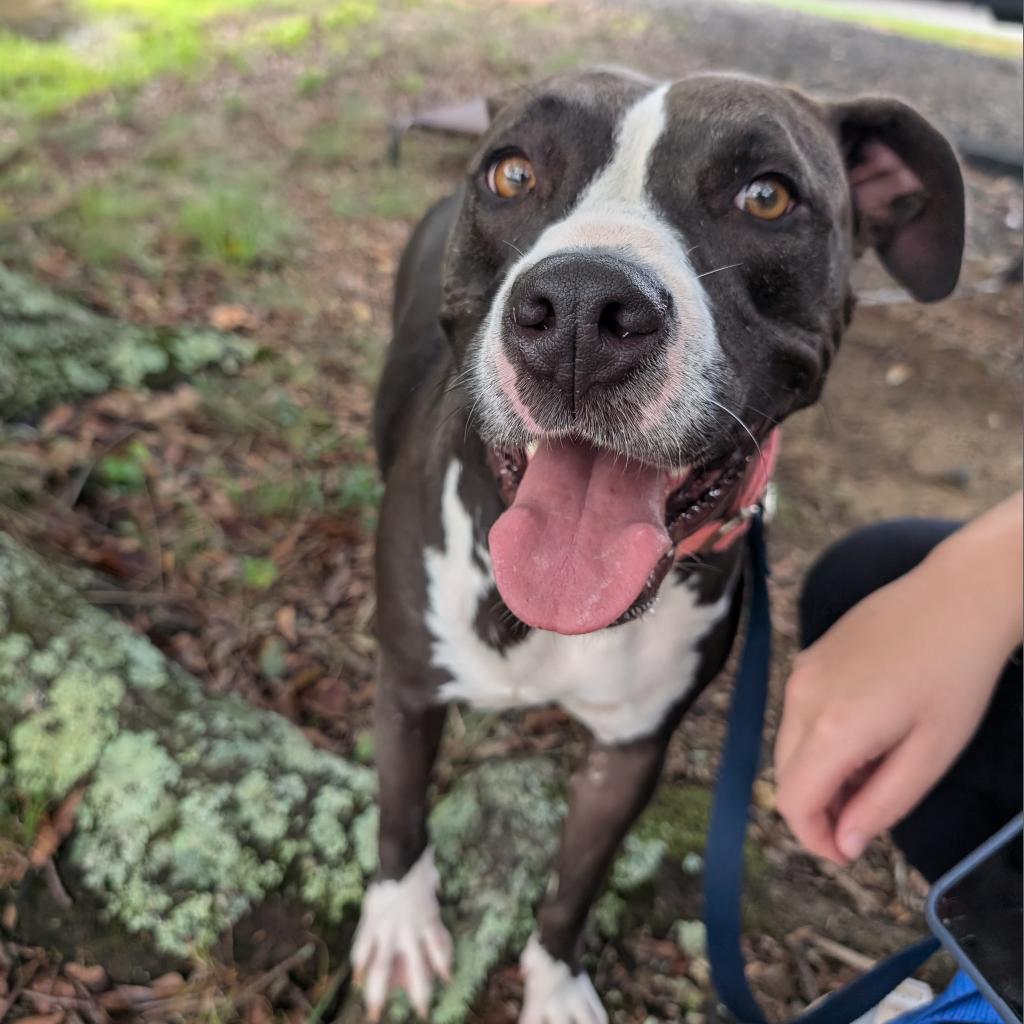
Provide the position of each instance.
(554, 995)
(400, 941)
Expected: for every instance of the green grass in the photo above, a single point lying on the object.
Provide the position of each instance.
(240, 224)
(330, 145)
(391, 194)
(110, 226)
(234, 106)
(945, 35)
(411, 83)
(125, 471)
(79, 137)
(360, 492)
(258, 573)
(287, 33)
(20, 818)
(135, 40)
(351, 14)
(311, 82)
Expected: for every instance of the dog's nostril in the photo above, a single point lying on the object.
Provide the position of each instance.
(534, 312)
(610, 322)
(623, 320)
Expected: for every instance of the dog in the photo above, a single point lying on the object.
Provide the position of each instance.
(595, 339)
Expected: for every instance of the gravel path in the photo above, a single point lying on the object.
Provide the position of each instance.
(976, 99)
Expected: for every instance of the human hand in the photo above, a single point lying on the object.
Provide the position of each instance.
(879, 708)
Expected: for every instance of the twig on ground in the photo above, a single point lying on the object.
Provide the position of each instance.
(20, 986)
(809, 989)
(135, 597)
(864, 902)
(331, 993)
(835, 950)
(78, 482)
(299, 956)
(56, 886)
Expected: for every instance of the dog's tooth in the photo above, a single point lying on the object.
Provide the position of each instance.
(531, 449)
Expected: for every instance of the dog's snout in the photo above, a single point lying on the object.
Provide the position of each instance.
(580, 319)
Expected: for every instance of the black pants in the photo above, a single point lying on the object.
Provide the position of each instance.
(983, 789)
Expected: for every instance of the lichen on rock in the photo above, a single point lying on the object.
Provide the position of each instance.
(196, 808)
(52, 349)
(60, 743)
(199, 809)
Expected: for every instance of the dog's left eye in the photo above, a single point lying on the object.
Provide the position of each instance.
(767, 198)
(511, 176)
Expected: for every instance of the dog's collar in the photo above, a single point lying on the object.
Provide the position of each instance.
(722, 532)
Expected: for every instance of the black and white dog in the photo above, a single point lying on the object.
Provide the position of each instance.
(594, 340)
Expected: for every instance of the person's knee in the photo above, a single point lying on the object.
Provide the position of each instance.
(861, 563)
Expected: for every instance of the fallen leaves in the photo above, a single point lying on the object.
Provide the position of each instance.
(13, 866)
(220, 541)
(54, 830)
(92, 977)
(232, 317)
(284, 619)
(45, 846)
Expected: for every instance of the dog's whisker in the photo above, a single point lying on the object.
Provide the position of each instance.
(513, 247)
(718, 270)
(729, 412)
(760, 412)
(457, 382)
(452, 414)
(469, 420)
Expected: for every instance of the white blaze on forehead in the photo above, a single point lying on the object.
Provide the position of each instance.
(615, 213)
(624, 179)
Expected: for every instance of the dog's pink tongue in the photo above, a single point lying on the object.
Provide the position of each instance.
(585, 531)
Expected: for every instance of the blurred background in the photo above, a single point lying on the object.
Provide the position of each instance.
(200, 216)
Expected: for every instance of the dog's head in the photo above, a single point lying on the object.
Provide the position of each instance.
(644, 278)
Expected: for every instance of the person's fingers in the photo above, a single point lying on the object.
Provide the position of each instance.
(791, 728)
(803, 690)
(814, 782)
(893, 789)
(816, 834)
(811, 780)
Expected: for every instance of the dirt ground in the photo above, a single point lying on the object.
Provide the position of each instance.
(231, 518)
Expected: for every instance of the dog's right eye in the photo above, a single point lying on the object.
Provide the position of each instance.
(766, 198)
(511, 176)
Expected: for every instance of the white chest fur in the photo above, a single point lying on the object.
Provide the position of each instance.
(619, 682)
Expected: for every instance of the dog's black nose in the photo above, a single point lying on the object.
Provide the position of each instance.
(580, 319)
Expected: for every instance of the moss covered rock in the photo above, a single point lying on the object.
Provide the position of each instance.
(196, 809)
(53, 349)
(199, 811)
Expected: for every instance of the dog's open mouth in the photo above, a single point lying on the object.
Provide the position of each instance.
(588, 535)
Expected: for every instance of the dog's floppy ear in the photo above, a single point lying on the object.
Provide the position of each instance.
(907, 191)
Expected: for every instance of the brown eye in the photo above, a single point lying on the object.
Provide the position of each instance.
(766, 198)
(511, 176)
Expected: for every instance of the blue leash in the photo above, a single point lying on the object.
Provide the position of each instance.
(723, 861)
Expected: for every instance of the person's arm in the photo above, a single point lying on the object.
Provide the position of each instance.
(879, 708)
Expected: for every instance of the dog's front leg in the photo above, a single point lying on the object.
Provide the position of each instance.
(607, 793)
(400, 941)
